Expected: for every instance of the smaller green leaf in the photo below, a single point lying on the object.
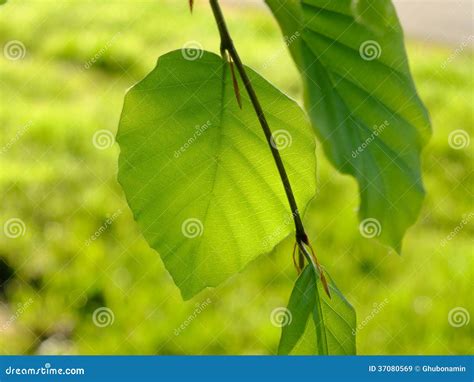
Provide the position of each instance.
(319, 325)
(300, 305)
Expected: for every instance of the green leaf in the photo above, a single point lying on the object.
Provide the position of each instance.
(318, 325)
(363, 103)
(198, 173)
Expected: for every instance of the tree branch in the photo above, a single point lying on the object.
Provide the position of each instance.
(227, 45)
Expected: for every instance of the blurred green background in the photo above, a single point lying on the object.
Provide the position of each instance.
(63, 188)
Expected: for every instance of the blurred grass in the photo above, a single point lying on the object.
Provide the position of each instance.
(63, 188)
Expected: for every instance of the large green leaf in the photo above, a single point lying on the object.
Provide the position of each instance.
(318, 325)
(362, 102)
(198, 173)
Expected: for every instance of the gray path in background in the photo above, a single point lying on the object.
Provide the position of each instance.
(445, 21)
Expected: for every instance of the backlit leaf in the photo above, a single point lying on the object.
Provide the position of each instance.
(198, 173)
(362, 102)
